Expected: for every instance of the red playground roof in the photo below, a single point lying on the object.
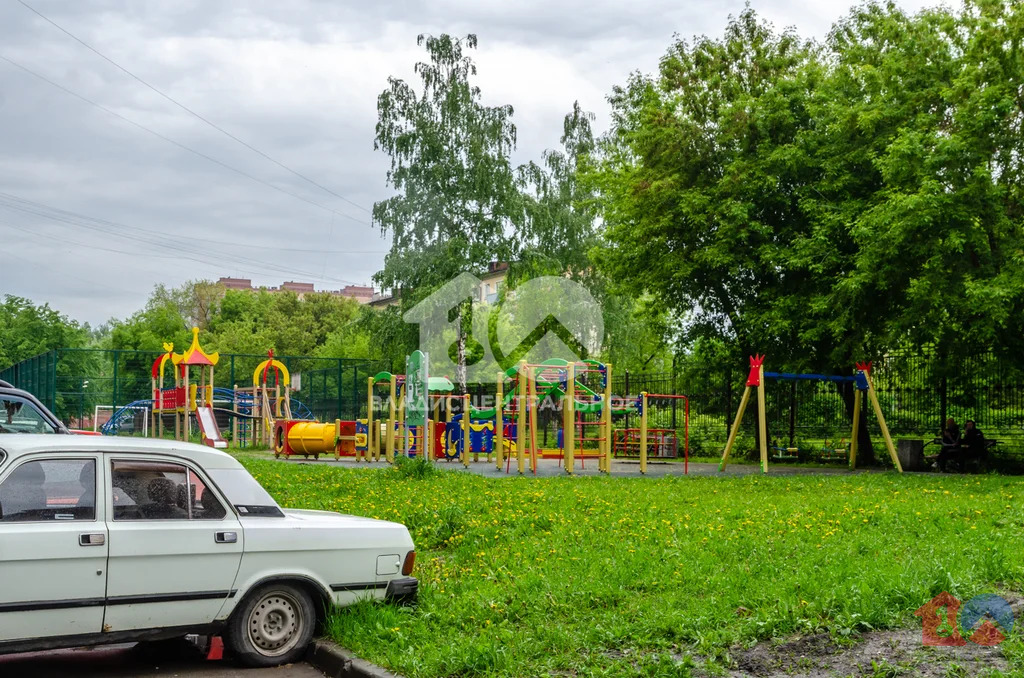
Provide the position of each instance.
(195, 355)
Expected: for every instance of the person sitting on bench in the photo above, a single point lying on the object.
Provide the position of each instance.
(973, 441)
(950, 444)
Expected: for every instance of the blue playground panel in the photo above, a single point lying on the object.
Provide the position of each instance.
(481, 437)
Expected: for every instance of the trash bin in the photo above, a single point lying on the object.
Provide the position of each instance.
(911, 454)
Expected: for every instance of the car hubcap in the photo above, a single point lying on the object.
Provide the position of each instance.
(275, 624)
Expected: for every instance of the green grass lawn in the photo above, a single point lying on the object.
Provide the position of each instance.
(627, 577)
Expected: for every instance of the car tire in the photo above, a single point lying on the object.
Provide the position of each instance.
(273, 625)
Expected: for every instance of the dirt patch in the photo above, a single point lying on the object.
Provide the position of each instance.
(877, 653)
(886, 653)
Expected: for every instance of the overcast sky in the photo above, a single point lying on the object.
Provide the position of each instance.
(296, 79)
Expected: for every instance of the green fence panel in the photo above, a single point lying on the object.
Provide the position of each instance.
(917, 392)
(79, 384)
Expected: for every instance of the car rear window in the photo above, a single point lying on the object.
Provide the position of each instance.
(245, 493)
(19, 415)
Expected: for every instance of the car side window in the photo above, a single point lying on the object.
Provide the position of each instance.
(157, 490)
(49, 489)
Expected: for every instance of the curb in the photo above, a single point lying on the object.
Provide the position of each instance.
(337, 662)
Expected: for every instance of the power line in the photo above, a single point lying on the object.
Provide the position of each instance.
(210, 241)
(198, 259)
(123, 231)
(177, 143)
(39, 237)
(64, 241)
(187, 109)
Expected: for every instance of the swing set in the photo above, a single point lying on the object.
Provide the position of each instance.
(862, 385)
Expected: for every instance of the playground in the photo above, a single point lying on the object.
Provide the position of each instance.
(555, 410)
(582, 414)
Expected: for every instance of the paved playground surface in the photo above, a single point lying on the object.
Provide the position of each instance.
(631, 469)
(625, 468)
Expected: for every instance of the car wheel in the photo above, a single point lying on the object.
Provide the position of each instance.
(273, 626)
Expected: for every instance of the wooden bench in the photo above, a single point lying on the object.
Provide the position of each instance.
(962, 459)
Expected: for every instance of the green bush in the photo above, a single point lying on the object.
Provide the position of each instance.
(414, 467)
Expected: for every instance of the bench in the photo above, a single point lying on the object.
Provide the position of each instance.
(962, 460)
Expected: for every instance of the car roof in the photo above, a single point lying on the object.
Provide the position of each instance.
(18, 444)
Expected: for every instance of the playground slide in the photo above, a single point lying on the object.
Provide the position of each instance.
(122, 415)
(208, 427)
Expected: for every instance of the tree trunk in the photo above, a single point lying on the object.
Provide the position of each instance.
(865, 450)
(465, 322)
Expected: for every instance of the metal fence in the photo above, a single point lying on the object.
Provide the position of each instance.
(917, 393)
(74, 382)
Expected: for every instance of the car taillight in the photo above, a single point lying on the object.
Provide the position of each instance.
(410, 561)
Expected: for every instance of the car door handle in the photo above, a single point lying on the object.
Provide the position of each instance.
(92, 539)
(225, 537)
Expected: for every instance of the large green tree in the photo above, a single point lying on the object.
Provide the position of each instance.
(827, 203)
(238, 321)
(27, 329)
(697, 182)
(560, 221)
(457, 195)
(919, 143)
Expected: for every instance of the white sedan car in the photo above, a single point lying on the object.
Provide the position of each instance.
(108, 540)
